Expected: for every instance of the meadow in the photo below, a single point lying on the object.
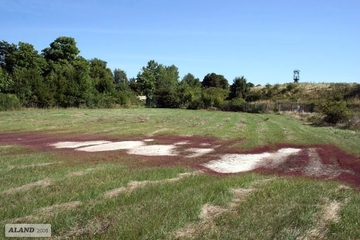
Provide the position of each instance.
(120, 196)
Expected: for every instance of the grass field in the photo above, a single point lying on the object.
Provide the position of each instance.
(108, 196)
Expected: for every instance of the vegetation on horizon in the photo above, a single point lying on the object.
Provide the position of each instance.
(60, 77)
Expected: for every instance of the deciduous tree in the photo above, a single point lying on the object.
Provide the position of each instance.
(215, 80)
(146, 79)
(102, 76)
(62, 49)
(240, 88)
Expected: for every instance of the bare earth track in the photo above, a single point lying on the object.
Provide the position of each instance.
(212, 155)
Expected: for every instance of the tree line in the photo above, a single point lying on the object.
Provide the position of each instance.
(60, 77)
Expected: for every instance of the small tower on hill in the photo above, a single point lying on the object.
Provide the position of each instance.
(296, 75)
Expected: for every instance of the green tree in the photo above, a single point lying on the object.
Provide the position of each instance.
(146, 79)
(21, 71)
(62, 49)
(61, 73)
(165, 93)
(102, 76)
(28, 57)
(240, 88)
(83, 85)
(120, 77)
(8, 55)
(215, 80)
(6, 82)
(189, 91)
(191, 81)
(26, 82)
(121, 80)
(134, 86)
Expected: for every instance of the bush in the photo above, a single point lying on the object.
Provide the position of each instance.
(196, 104)
(254, 96)
(335, 111)
(214, 97)
(235, 105)
(107, 101)
(9, 102)
(166, 98)
(255, 107)
(354, 121)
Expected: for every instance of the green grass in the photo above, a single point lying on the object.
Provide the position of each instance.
(256, 129)
(281, 208)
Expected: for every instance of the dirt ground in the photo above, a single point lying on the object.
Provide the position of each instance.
(214, 156)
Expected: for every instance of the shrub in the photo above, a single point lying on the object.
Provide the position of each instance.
(255, 107)
(196, 104)
(335, 111)
(234, 105)
(107, 101)
(9, 102)
(214, 97)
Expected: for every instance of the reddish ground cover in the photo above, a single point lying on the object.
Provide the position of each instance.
(319, 161)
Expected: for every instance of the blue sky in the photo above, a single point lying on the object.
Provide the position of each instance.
(262, 40)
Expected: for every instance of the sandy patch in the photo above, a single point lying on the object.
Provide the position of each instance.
(42, 183)
(5, 146)
(114, 192)
(81, 173)
(207, 214)
(184, 175)
(93, 227)
(41, 213)
(154, 150)
(182, 143)
(135, 147)
(198, 152)
(148, 140)
(329, 213)
(210, 211)
(76, 144)
(205, 144)
(124, 145)
(239, 196)
(159, 131)
(38, 165)
(235, 163)
(192, 230)
(59, 207)
(315, 166)
(132, 185)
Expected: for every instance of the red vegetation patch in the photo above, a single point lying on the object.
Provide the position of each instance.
(316, 161)
(320, 161)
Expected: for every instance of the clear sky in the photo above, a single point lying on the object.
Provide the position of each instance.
(262, 40)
